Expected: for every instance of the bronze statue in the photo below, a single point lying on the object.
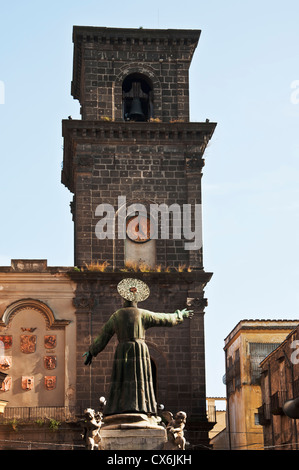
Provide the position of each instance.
(131, 383)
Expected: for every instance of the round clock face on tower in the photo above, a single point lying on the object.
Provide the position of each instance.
(138, 228)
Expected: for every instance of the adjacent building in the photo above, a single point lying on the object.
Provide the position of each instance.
(279, 410)
(217, 435)
(245, 348)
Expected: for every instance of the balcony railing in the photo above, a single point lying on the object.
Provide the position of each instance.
(264, 414)
(296, 388)
(29, 414)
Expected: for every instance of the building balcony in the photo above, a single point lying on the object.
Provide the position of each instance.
(264, 414)
(277, 401)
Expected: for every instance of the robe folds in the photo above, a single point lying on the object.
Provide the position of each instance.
(132, 387)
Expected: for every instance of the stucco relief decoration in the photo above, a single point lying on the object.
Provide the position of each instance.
(50, 382)
(83, 302)
(5, 363)
(50, 341)
(6, 340)
(194, 163)
(6, 384)
(28, 344)
(27, 382)
(50, 362)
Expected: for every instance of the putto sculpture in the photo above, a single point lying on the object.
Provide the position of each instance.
(91, 429)
(175, 430)
(132, 389)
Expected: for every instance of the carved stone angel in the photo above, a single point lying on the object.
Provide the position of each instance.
(91, 429)
(175, 430)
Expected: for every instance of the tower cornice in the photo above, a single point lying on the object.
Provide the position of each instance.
(104, 35)
(191, 137)
(164, 44)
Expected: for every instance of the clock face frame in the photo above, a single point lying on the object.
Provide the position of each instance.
(138, 228)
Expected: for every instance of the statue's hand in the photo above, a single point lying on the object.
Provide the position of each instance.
(88, 359)
(187, 313)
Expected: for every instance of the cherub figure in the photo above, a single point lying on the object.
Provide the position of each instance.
(91, 429)
(175, 429)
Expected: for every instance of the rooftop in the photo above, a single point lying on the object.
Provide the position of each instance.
(265, 324)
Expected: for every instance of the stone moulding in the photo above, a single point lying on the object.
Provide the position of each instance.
(199, 276)
(191, 137)
(107, 35)
(117, 130)
(101, 40)
(26, 304)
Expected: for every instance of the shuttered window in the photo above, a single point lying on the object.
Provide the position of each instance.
(258, 352)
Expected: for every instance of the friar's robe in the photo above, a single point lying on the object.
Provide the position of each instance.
(131, 382)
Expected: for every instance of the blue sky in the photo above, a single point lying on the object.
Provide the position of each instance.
(241, 77)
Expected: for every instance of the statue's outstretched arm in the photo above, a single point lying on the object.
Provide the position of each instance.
(165, 319)
(100, 341)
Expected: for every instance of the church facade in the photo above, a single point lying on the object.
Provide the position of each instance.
(134, 166)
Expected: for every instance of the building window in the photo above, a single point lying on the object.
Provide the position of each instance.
(296, 388)
(232, 377)
(256, 419)
(237, 369)
(257, 353)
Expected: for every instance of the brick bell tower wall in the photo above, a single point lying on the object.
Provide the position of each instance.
(156, 158)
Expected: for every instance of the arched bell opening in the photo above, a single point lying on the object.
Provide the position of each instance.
(137, 93)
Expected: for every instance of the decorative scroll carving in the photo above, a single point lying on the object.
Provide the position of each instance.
(84, 302)
(197, 303)
(194, 163)
(20, 265)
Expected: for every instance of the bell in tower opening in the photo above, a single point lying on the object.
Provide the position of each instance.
(137, 98)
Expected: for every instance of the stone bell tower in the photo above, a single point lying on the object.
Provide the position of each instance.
(134, 165)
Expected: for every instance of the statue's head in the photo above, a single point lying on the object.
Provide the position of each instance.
(181, 417)
(89, 414)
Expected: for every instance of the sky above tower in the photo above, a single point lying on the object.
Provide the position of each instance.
(244, 76)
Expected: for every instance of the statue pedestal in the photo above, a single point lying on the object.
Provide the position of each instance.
(133, 439)
(132, 432)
